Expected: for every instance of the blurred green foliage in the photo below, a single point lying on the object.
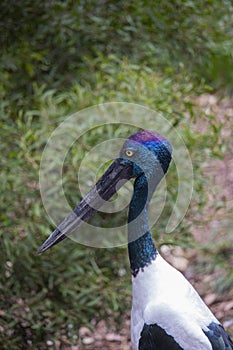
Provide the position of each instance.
(45, 44)
(59, 57)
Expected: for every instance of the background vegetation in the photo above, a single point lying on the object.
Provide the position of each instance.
(59, 57)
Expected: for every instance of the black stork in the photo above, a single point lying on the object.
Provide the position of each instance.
(167, 312)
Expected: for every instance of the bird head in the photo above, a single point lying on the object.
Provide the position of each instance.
(147, 152)
(145, 155)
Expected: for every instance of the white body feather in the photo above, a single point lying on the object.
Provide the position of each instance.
(162, 295)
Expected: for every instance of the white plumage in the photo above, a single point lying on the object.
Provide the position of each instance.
(163, 296)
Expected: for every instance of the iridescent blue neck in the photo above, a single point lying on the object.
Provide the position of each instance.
(140, 247)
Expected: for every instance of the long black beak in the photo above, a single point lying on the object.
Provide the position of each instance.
(103, 190)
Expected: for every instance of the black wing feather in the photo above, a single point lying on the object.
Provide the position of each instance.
(218, 337)
(153, 337)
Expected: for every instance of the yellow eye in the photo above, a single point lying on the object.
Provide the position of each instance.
(129, 153)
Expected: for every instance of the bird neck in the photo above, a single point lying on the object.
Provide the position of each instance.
(140, 247)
